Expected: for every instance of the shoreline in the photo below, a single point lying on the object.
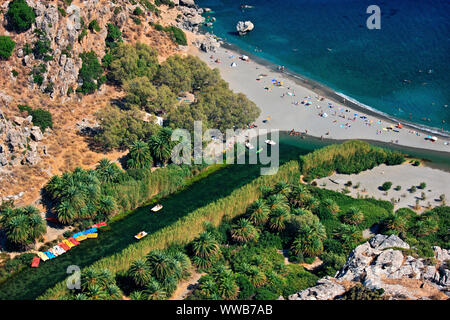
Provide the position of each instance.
(409, 136)
(334, 95)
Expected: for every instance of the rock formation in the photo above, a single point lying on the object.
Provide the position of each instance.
(243, 27)
(380, 263)
(20, 141)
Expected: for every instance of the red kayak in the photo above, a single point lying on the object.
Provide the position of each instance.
(74, 241)
(52, 219)
(64, 246)
(35, 262)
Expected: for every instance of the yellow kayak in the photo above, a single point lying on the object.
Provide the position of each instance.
(92, 235)
(43, 256)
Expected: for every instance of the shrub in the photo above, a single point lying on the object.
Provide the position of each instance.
(20, 16)
(93, 26)
(41, 48)
(41, 118)
(113, 37)
(14, 73)
(6, 47)
(386, 186)
(138, 11)
(412, 189)
(62, 11)
(90, 72)
(398, 188)
(416, 163)
(422, 185)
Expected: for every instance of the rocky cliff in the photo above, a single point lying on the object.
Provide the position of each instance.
(384, 263)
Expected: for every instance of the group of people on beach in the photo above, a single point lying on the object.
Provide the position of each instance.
(339, 111)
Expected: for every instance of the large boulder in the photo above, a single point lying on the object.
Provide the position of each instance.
(381, 263)
(188, 3)
(326, 289)
(243, 27)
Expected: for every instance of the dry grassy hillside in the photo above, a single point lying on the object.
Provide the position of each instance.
(66, 149)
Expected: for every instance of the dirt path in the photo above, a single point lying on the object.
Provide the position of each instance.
(187, 286)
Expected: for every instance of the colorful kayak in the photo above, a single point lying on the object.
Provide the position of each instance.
(43, 256)
(54, 252)
(68, 243)
(49, 254)
(140, 235)
(92, 235)
(35, 262)
(64, 246)
(81, 238)
(74, 241)
(99, 225)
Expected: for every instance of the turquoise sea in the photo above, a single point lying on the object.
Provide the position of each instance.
(401, 70)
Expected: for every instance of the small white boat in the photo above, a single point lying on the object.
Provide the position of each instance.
(157, 208)
(249, 146)
(140, 235)
(271, 142)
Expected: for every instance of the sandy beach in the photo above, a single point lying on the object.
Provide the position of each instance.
(405, 176)
(285, 105)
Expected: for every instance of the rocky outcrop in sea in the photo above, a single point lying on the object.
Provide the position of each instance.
(382, 263)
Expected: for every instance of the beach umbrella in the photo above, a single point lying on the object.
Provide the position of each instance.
(234, 64)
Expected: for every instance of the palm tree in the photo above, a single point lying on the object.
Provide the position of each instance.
(331, 205)
(284, 188)
(66, 214)
(205, 245)
(311, 202)
(256, 276)
(140, 272)
(297, 196)
(243, 231)
(17, 229)
(37, 226)
(137, 295)
(184, 262)
(228, 288)
(277, 219)
(353, 216)
(259, 212)
(277, 201)
(307, 243)
(107, 171)
(395, 222)
(163, 265)
(140, 156)
(207, 287)
(107, 205)
(161, 145)
(113, 292)
(155, 291)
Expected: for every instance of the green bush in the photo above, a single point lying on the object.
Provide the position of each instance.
(6, 47)
(138, 11)
(386, 186)
(20, 16)
(93, 26)
(177, 35)
(41, 118)
(62, 11)
(113, 37)
(422, 185)
(90, 72)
